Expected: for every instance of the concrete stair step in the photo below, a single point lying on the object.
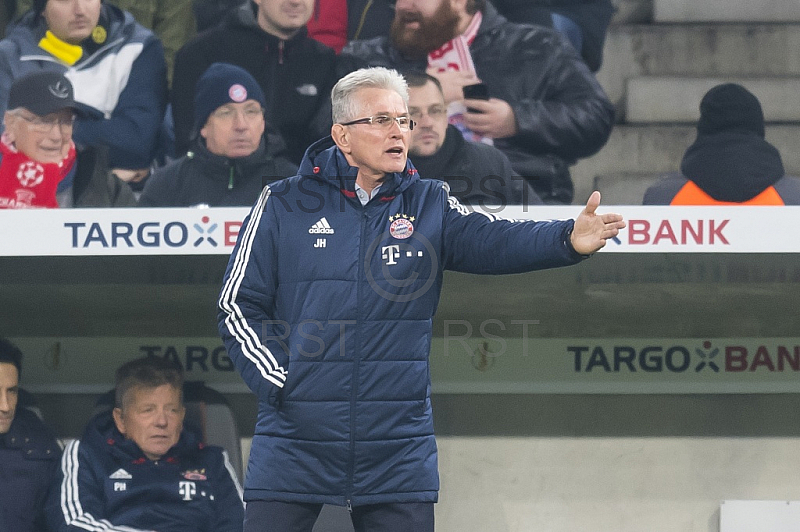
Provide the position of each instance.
(624, 188)
(677, 99)
(643, 150)
(726, 11)
(698, 50)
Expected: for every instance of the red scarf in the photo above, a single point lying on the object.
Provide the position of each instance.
(455, 55)
(25, 183)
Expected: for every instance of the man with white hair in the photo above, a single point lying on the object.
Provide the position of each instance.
(327, 306)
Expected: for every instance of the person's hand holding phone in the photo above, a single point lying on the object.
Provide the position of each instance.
(476, 91)
(492, 118)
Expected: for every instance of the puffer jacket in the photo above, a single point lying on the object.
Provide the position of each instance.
(561, 110)
(326, 311)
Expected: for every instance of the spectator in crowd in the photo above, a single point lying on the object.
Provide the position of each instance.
(232, 159)
(37, 155)
(545, 109)
(337, 350)
(172, 21)
(136, 468)
(583, 22)
(38, 167)
(28, 452)
(335, 22)
(476, 173)
(115, 65)
(270, 42)
(730, 162)
(209, 13)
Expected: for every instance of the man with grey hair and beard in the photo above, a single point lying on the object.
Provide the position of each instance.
(326, 311)
(540, 104)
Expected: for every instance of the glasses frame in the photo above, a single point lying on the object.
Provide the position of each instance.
(40, 125)
(395, 119)
(230, 114)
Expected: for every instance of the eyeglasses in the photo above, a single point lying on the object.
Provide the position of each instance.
(385, 122)
(45, 124)
(251, 114)
(434, 111)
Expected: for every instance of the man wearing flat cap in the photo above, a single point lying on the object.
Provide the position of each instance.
(36, 149)
(232, 155)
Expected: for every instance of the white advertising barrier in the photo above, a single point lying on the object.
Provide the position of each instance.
(210, 231)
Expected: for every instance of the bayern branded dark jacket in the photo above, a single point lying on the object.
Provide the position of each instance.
(106, 483)
(326, 311)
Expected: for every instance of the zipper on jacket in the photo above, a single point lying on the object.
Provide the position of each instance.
(351, 466)
(280, 52)
(230, 179)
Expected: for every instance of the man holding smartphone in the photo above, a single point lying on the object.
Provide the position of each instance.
(545, 108)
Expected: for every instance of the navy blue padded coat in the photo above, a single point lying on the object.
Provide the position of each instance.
(326, 311)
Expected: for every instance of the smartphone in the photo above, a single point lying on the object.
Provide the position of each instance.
(478, 91)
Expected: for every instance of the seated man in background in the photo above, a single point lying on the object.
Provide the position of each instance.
(116, 66)
(476, 173)
(136, 468)
(231, 159)
(37, 155)
(28, 452)
(730, 162)
(544, 110)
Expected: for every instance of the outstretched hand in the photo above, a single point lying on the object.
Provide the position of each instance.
(591, 229)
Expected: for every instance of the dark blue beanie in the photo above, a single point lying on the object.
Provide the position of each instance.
(223, 83)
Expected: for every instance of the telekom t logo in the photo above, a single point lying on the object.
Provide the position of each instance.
(187, 489)
(390, 254)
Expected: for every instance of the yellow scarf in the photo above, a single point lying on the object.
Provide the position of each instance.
(65, 52)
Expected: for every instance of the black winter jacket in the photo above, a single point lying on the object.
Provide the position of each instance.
(477, 174)
(200, 177)
(561, 110)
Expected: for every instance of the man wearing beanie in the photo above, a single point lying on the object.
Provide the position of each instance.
(231, 158)
(270, 42)
(116, 66)
(36, 148)
(729, 163)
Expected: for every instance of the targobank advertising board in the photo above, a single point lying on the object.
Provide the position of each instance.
(210, 231)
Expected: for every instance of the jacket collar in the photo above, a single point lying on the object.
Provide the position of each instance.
(325, 162)
(245, 16)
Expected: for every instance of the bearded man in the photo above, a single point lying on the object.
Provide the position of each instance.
(544, 109)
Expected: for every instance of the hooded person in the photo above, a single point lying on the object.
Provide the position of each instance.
(37, 155)
(730, 162)
(233, 154)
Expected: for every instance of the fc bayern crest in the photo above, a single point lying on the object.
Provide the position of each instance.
(237, 93)
(30, 174)
(401, 227)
